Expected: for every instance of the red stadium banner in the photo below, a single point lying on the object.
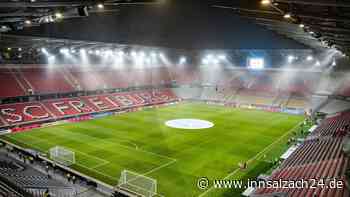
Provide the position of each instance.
(19, 113)
(23, 112)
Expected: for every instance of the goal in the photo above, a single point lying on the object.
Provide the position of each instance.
(137, 183)
(62, 155)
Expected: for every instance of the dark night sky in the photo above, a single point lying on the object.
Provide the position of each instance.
(186, 24)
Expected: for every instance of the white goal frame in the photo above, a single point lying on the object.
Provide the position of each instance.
(62, 155)
(137, 183)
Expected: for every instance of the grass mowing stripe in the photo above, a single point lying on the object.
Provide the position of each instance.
(176, 158)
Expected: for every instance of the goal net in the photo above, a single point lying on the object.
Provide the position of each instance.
(62, 155)
(137, 183)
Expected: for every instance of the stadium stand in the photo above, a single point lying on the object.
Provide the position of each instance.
(8, 189)
(319, 157)
(9, 84)
(28, 181)
(255, 97)
(53, 78)
(88, 80)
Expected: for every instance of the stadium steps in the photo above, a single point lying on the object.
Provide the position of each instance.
(68, 79)
(286, 101)
(281, 100)
(23, 87)
(25, 80)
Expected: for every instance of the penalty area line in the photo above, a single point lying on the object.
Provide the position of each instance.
(159, 167)
(77, 164)
(104, 162)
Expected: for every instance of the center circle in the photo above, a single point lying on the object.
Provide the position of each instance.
(189, 124)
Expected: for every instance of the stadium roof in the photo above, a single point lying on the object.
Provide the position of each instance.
(183, 24)
(316, 23)
(189, 24)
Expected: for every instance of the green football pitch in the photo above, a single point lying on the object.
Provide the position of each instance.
(176, 158)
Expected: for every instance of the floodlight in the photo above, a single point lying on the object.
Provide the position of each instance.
(120, 53)
(309, 58)
(266, 2)
(44, 50)
(100, 6)
(133, 53)
(287, 15)
(64, 51)
(222, 57)
(334, 63)
(183, 60)
(205, 61)
(58, 15)
(290, 58)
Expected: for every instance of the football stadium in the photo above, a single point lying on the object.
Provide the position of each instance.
(174, 98)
